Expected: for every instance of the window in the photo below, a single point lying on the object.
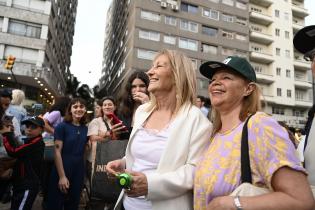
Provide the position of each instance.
(25, 55)
(24, 29)
(287, 53)
(150, 16)
(170, 20)
(188, 44)
(258, 69)
(241, 21)
(289, 93)
(278, 91)
(227, 52)
(256, 48)
(278, 51)
(168, 39)
(286, 16)
(150, 35)
(1, 23)
(228, 2)
(227, 34)
(287, 34)
(277, 110)
(278, 70)
(241, 37)
(227, 18)
(298, 113)
(188, 8)
(209, 31)
(277, 13)
(209, 49)
(288, 73)
(277, 32)
(241, 5)
(188, 26)
(210, 13)
(146, 54)
(299, 95)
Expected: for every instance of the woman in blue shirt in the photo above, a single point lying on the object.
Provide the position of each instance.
(68, 174)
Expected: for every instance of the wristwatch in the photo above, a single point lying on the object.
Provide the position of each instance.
(238, 203)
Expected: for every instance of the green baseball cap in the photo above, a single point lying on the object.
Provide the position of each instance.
(234, 63)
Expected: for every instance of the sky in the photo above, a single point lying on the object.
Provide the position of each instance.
(88, 44)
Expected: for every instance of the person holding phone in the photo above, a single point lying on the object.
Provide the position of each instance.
(166, 141)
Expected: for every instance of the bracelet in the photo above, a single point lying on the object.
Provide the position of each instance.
(238, 203)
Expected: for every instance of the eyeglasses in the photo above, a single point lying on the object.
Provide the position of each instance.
(31, 126)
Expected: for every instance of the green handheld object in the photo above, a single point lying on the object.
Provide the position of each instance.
(124, 180)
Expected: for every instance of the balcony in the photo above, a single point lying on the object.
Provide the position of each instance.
(300, 63)
(260, 17)
(298, 10)
(292, 121)
(267, 98)
(261, 57)
(303, 103)
(260, 37)
(263, 3)
(302, 83)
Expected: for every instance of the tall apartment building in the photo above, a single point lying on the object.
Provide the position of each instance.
(211, 30)
(39, 33)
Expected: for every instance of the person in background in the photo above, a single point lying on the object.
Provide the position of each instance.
(235, 96)
(132, 95)
(67, 176)
(169, 134)
(5, 100)
(304, 42)
(200, 103)
(16, 107)
(55, 115)
(27, 169)
(98, 109)
(101, 128)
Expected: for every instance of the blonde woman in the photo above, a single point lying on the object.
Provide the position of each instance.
(167, 139)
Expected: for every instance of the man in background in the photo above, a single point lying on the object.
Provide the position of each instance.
(304, 42)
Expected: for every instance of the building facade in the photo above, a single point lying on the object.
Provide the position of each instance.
(211, 30)
(39, 33)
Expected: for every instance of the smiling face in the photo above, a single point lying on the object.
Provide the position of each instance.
(161, 76)
(108, 106)
(77, 111)
(227, 90)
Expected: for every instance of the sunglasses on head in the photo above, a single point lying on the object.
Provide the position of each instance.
(31, 126)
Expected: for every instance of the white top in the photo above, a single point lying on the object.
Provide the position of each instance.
(147, 150)
(309, 155)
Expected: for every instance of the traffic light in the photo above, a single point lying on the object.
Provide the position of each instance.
(10, 62)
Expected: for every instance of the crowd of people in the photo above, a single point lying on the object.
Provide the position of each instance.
(181, 154)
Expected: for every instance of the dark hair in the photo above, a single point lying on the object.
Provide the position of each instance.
(202, 99)
(60, 105)
(111, 98)
(99, 102)
(68, 116)
(6, 93)
(125, 101)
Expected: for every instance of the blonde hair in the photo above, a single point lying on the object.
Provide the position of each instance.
(251, 104)
(184, 76)
(18, 97)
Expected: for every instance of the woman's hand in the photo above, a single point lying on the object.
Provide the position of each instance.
(64, 184)
(140, 97)
(222, 203)
(139, 184)
(115, 167)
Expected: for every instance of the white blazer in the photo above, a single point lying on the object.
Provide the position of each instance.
(170, 187)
